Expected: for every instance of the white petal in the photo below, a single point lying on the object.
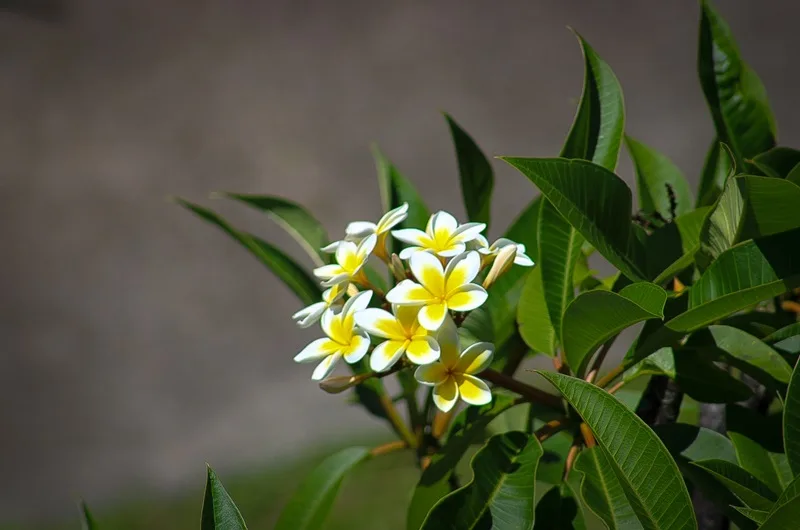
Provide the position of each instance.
(309, 315)
(392, 218)
(428, 271)
(327, 365)
(327, 321)
(476, 358)
(432, 316)
(522, 259)
(462, 270)
(445, 394)
(453, 250)
(468, 232)
(380, 323)
(386, 354)
(360, 229)
(449, 344)
(442, 222)
(410, 251)
(330, 248)
(318, 349)
(408, 292)
(329, 296)
(359, 345)
(502, 242)
(357, 303)
(467, 297)
(327, 272)
(412, 236)
(345, 252)
(473, 390)
(431, 374)
(339, 279)
(366, 247)
(423, 350)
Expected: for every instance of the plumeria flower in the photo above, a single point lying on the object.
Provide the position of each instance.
(482, 246)
(350, 260)
(453, 375)
(443, 236)
(310, 315)
(358, 230)
(343, 339)
(404, 335)
(440, 290)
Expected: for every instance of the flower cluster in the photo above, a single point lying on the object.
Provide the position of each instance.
(414, 322)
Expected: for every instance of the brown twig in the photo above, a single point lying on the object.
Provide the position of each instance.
(397, 422)
(528, 392)
(616, 387)
(571, 456)
(598, 361)
(611, 376)
(549, 429)
(389, 447)
(588, 435)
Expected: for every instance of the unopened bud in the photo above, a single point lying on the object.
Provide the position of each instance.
(336, 385)
(398, 270)
(503, 262)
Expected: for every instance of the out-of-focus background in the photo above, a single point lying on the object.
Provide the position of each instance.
(139, 343)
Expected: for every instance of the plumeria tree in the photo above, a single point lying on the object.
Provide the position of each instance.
(697, 426)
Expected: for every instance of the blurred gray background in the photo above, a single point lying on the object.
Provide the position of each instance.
(137, 341)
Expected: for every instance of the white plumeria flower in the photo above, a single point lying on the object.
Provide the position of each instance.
(482, 246)
(443, 236)
(440, 290)
(350, 259)
(310, 315)
(404, 335)
(358, 230)
(343, 339)
(453, 375)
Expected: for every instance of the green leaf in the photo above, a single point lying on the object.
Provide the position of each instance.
(311, 503)
(502, 489)
(791, 422)
(395, 189)
(747, 488)
(597, 129)
(559, 249)
(595, 201)
(735, 95)
(558, 509)
(602, 491)
(535, 325)
(786, 332)
(295, 277)
(718, 167)
(784, 518)
(477, 178)
(596, 316)
(753, 458)
(87, 520)
(219, 511)
(654, 172)
(794, 175)
(644, 467)
(771, 206)
(671, 248)
(721, 228)
(293, 218)
(759, 516)
(778, 162)
(791, 491)
(468, 426)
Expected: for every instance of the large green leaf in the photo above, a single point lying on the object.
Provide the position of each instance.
(791, 491)
(735, 95)
(597, 129)
(87, 520)
(477, 177)
(778, 162)
(601, 490)
(559, 249)
(758, 516)
(535, 325)
(654, 174)
(596, 316)
(295, 277)
(595, 201)
(293, 218)
(219, 511)
(721, 228)
(468, 426)
(747, 488)
(644, 467)
(559, 509)
(785, 517)
(718, 167)
(791, 422)
(771, 206)
(757, 460)
(311, 503)
(671, 248)
(502, 489)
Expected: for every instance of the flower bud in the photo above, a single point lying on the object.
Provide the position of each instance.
(336, 385)
(503, 262)
(398, 270)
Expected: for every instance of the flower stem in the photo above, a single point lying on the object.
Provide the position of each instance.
(598, 361)
(611, 376)
(524, 390)
(390, 447)
(550, 428)
(397, 422)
